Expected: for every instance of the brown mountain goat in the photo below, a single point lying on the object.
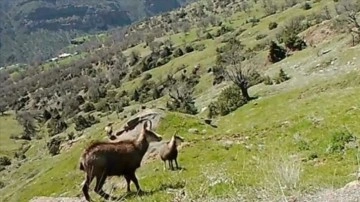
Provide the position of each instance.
(103, 159)
(169, 151)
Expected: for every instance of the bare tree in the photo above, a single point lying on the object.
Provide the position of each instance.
(350, 9)
(181, 98)
(231, 61)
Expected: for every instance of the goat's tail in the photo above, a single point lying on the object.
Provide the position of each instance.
(82, 166)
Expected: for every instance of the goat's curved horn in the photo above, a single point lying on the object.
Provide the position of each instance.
(150, 126)
(176, 132)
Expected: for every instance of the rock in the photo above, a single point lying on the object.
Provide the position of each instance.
(193, 131)
(208, 121)
(203, 131)
(228, 144)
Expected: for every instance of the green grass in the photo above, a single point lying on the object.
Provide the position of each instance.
(9, 126)
(287, 120)
(273, 122)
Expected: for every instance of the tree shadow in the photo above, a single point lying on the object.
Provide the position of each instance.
(253, 98)
(4, 114)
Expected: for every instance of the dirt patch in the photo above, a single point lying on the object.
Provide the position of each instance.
(59, 199)
(318, 34)
(349, 193)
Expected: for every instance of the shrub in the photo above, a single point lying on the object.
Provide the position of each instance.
(189, 49)
(306, 6)
(102, 106)
(5, 161)
(208, 35)
(147, 76)
(178, 52)
(223, 30)
(339, 141)
(276, 53)
(281, 77)
(260, 36)
(71, 136)
(165, 52)
(56, 126)
(294, 43)
(53, 145)
(255, 78)
(218, 72)
(83, 122)
(228, 101)
(2, 184)
(272, 25)
(268, 80)
(199, 47)
(88, 107)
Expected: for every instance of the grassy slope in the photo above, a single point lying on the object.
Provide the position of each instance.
(272, 124)
(264, 123)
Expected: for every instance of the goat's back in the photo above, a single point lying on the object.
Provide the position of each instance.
(115, 158)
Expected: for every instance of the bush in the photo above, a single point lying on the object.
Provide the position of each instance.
(306, 6)
(147, 76)
(2, 184)
(339, 141)
(268, 80)
(102, 106)
(260, 36)
(53, 145)
(272, 25)
(281, 77)
(294, 43)
(71, 136)
(208, 35)
(88, 107)
(276, 53)
(178, 52)
(83, 122)
(189, 49)
(228, 101)
(199, 47)
(56, 126)
(5, 161)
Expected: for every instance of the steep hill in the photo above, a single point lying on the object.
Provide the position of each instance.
(23, 22)
(295, 137)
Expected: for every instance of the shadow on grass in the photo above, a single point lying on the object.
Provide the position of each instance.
(163, 187)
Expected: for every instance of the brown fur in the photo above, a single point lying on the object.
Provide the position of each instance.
(103, 159)
(169, 152)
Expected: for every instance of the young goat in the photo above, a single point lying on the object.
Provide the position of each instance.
(103, 159)
(169, 151)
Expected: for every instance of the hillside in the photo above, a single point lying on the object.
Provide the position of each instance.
(24, 22)
(265, 93)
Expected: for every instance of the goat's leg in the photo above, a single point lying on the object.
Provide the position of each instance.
(176, 163)
(128, 179)
(100, 181)
(85, 187)
(135, 180)
(171, 164)
(165, 165)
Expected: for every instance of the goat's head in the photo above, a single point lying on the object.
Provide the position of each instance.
(108, 129)
(148, 134)
(177, 139)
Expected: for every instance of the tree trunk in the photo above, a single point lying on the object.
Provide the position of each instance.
(244, 92)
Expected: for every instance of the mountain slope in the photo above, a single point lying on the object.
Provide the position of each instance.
(24, 22)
